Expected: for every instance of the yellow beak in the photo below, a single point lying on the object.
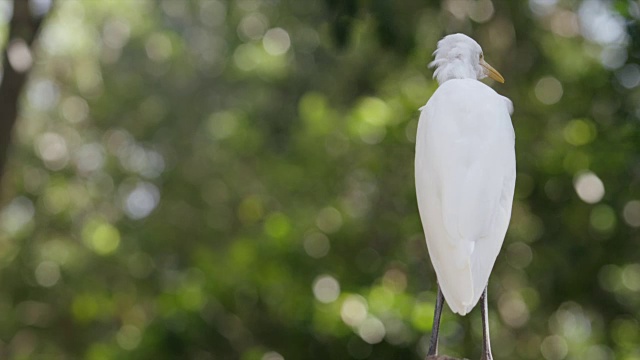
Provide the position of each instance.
(491, 72)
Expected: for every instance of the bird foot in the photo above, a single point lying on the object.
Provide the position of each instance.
(441, 357)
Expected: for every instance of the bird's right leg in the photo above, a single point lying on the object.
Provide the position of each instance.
(486, 343)
(433, 343)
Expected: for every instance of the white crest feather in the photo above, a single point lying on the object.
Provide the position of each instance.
(457, 56)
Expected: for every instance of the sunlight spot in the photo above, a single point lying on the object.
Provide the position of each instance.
(43, 94)
(247, 56)
(329, 220)
(75, 109)
(565, 23)
(548, 90)
(128, 337)
(47, 273)
(422, 315)
(354, 310)
(52, 149)
(602, 218)
(395, 280)
(223, 124)
(6, 11)
(39, 8)
(89, 158)
(212, 12)
(158, 47)
(629, 76)
(17, 215)
(326, 289)
(481, 11)
(272, 355)
(519, 255)
(631, 277)
(600, 23)
(554, 347)
(277, 225)
(253, 26)
(142, 200)
(610, 278)
(589, 187)
(101, 237)
(316, 245)
(579, 132)
(276, 41)
(513, 310)
(542, 7)
(613, 56)
(116, 32)
(372, 330)
(631, 213)
(19, 55)
(458, 8)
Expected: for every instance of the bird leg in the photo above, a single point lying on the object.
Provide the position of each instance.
(486, 343)
(433, 343)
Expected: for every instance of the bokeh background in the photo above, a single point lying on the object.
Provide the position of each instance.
(212, 179)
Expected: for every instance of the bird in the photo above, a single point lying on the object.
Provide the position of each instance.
(465, 173)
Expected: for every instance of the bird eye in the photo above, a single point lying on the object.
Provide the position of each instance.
(481, 56)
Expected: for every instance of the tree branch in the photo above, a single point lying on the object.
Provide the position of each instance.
(16, 63)
(442, 357)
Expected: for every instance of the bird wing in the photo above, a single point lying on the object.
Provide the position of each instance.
(465, 178)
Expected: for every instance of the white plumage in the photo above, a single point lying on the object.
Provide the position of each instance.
(465, 171)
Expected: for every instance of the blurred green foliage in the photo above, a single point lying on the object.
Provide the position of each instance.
(234, 180)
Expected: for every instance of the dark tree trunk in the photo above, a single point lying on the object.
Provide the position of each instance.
(16, 65)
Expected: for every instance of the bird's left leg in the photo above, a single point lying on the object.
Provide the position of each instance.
(433, 343)
(486, 342)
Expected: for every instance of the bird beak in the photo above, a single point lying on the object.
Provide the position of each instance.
(491, 72)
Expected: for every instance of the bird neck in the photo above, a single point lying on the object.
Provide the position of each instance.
(454, 69)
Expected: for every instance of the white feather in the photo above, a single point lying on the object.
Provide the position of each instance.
(465, 178)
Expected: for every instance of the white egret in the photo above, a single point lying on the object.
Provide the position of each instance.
(465, 172)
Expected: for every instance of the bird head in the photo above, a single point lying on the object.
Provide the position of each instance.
(460, 57)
